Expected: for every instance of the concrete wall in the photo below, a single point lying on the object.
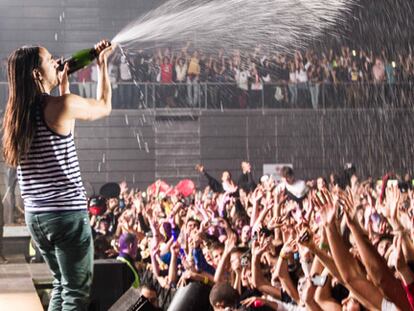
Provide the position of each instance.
(315, 142)
(65, 26)
(141, 146)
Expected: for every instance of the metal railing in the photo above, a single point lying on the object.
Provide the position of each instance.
(208, 95)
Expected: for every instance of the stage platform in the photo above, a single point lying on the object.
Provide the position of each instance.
(18, 282)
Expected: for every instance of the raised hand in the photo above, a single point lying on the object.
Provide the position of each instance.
(230, 242)
(175, 248)
(256, 196)
(104, 49)
(289, 247)
(280, 197)
(276, 222)
(259, 246)
(185, 277)
(254, 302)
(64, 80)
(347, 201)
(327, 209)
(308, 292)
(305, 237)
(199, 168)
(123, 187)
(393, 196)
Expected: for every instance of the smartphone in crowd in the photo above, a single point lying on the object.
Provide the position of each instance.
(244, 261)
(392, 183)
(215, 222)
(304, 237)
(266, 232)
(319, 280)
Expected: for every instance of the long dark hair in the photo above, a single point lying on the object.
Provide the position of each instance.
(19, 118)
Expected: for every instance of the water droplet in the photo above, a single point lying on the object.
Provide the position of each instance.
(139, 142)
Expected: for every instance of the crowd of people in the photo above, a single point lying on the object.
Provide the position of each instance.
(325, 244)
(308, 79)
(335, 78)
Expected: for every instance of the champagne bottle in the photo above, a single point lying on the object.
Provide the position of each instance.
(79, 59)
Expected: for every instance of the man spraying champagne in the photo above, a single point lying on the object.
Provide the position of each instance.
(38, 140)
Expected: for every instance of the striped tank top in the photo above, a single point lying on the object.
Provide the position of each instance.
(49, 176)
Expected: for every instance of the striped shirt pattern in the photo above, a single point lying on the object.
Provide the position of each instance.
(49, 176)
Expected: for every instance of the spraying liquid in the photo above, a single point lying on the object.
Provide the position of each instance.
(277, 25)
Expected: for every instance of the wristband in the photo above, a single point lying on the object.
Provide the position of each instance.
(205, 280)
(324, 246)
(283, 256)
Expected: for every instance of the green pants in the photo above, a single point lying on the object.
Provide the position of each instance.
(65, 241)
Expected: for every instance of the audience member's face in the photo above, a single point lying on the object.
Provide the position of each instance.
(225, 176)
(219, 306)
(320, 183)
(103, 226)
(182, 213)
(112, 203)
(239, 223)
(383, 247)
(235, 262)
(245, 234)
(133, 250)
(246, 277)
(207, 256)
(289, 179)
(191, 225)
(216, 254)
(150, 295)
(249, 211)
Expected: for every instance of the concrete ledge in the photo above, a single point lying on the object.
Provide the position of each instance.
(17, 289)
(18, 231)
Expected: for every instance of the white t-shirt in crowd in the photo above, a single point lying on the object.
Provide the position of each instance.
(181, 72)
(94, 73)
(293, 77)
(283, 306)
(387, 305)
(242, 79)
(124, 72)
(302, 76)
